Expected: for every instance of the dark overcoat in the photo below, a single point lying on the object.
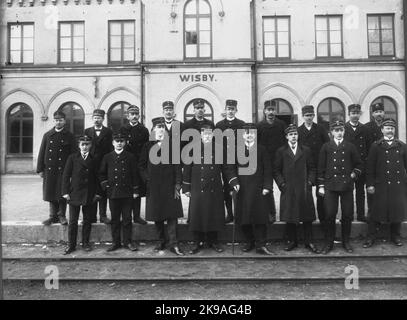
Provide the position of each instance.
(101, 144)
(161, 180)
(386, 171)
(271, 136)
(298, 173)
(251, 206)
(374, 133)
(313, 139)
(118, 175)
(136, 137)
(336, 164)
(54, 152)
(80, 179)
(206, 209)
(359, 137)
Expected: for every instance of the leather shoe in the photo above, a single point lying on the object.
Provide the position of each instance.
(105, 220)
(397, 242)
(368, 243)
(291, 246)
(263, 250)
(196, 248)
(229, 219)
(361, 219)
(313, 248)
(131, 247)
(348, 248)
(114, 247)
(50, 221)
(177, 251)
(328, 248)
(216, 247)
(160, 246)
(62, 220)
(69, 250)
(248, 247)
(139, 220)
(87, 247)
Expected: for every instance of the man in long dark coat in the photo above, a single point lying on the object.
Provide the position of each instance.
(81, 188)
(101, 144)
(233, 123)
(136, 136)
(374, 133)
(339, 165)
(270, 132)
(295, 173)
(173, 127)
(387, 182)
(164, 182)
(313, 136)
(119, 176)
(56, 146)
(252, 206)
(356, 133)
(202, 182)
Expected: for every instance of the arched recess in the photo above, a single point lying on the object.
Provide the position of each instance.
(121, 94)
(281, 91)
(73, 95)
(29, 98)
(331, 90)
(391, 91)
(199, 91)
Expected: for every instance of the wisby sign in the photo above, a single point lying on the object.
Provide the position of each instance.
(197, 77)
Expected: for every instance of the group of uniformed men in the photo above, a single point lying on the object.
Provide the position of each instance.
(118, 167)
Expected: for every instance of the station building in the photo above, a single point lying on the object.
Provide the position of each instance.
(79, 55)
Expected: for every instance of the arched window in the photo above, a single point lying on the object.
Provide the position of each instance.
(198, 29)
(117, 116)
(329, 110)
(75, 118)
(189, 111)
(20, 129)
(390, 107)
(283, 107)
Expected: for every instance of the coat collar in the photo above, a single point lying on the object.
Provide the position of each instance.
(298, 155)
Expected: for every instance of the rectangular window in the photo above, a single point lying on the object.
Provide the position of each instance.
(380, 29)
(21, 43)
(276, 37)
(328, 36)
(71, 42)
(121, 41)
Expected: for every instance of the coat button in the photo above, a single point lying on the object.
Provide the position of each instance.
(335, 160)
(398, 161)
(51, 142)
(398, 182)
(335, 176)
(49, 159)
(389, 182)
(50, 150)
(202, 168)
(334, 168)
(388, 161)
(117, 184)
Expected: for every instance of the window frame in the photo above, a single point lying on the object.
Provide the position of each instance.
(330, 109)
(276, 37)
(20, 153)
(71, 126)
(122, 22)
(72, 23)
(327, 17)
(380, 15)
(197, 16)
(9, 24)
(382, 101)
(124, 121)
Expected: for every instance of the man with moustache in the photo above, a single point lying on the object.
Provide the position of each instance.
(357, 134)
(202, 182)
(164, 181)
(136, 136)
(233, 123)
(313, 136)
(56, 146)
(101, 144)
(271, 135)
(387, 183)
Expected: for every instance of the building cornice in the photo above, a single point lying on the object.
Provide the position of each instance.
(32, 3)
(82, 68)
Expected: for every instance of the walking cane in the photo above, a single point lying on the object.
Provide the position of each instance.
(234, 220)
